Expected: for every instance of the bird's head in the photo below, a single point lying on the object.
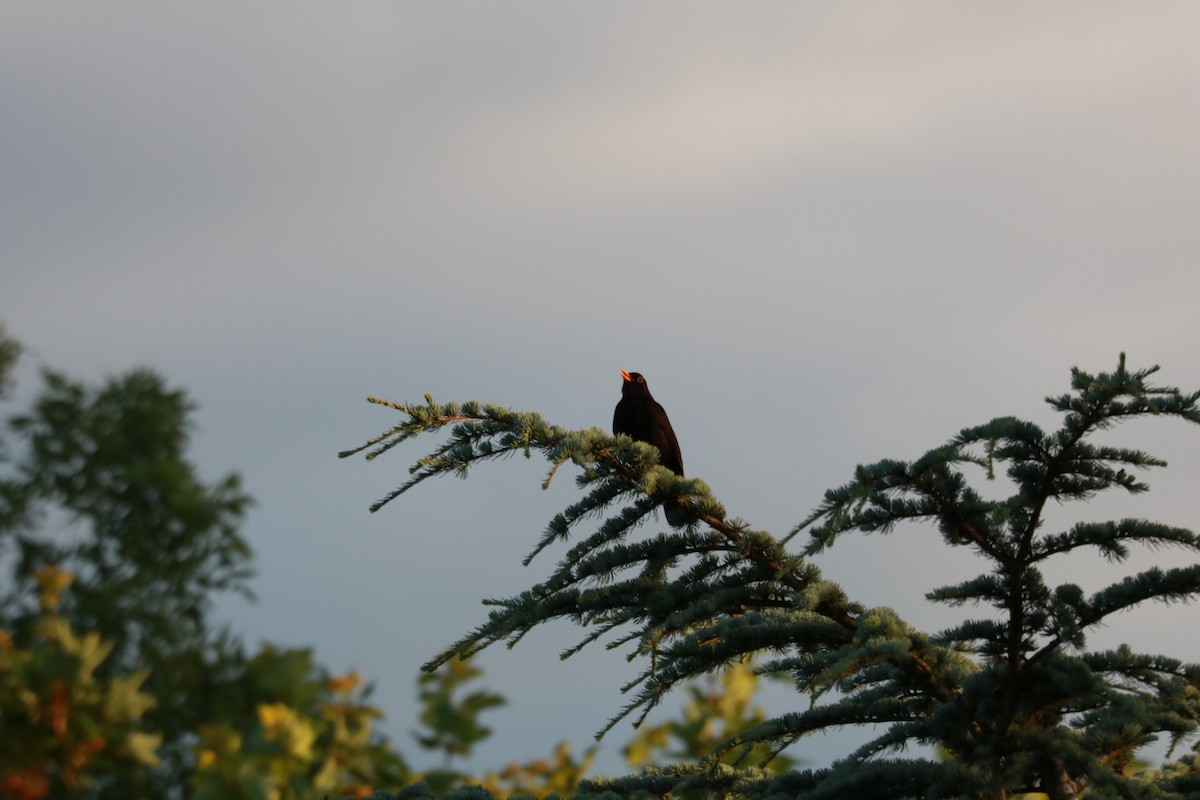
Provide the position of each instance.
(634, 383)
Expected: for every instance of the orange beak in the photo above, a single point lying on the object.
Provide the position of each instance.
(625, 376)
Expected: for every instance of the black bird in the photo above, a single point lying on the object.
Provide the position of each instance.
(641, 418)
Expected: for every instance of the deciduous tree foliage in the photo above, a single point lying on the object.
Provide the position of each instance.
(96, 481)
(1013, 696)
(113, 680)
(149, 542)
(62, 727)
(450, 723)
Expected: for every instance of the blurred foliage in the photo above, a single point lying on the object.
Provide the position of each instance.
(559, 774)
(103, 488)
(62, 724)
(450, 724)
(718, 708)
(452, 727)
(95, 479)
(302, 735)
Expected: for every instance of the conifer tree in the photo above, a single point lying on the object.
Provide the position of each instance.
(1014, 698)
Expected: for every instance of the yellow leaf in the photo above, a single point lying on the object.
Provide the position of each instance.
(345, 684)
(740, 683)
(326, 778)
(144, 746)
(281, 724)
(271, 715)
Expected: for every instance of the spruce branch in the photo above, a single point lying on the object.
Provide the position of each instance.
(1110, 538)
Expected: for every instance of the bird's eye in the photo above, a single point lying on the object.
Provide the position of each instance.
(641, 380)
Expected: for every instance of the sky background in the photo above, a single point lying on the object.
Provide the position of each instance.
(826, 233)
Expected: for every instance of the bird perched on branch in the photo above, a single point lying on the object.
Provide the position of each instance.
(642, 419)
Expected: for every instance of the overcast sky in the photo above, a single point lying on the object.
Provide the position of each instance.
(827, 234)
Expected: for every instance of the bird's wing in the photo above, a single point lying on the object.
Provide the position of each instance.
(620, 419)
(671, 457)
